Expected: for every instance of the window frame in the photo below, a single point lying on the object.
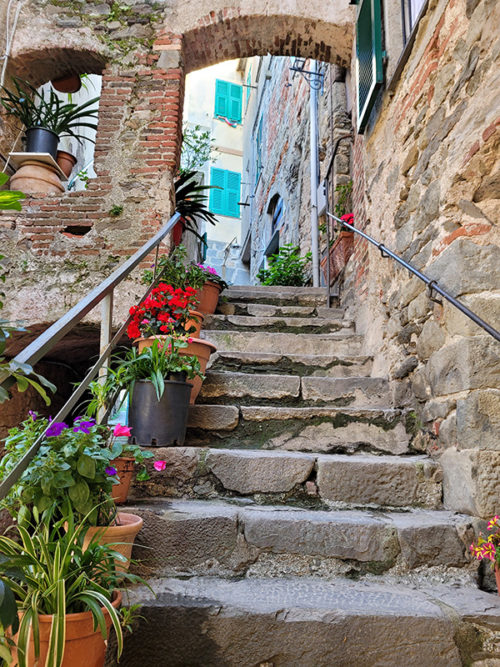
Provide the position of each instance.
(228, 98)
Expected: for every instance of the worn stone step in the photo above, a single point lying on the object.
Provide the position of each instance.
(278, 296)
(323, 429)
(306, 622)
(319, 481)
(276, 324)
(267, 310)
(295, 364)
(199, 537)
(356, 391)
(284, 343)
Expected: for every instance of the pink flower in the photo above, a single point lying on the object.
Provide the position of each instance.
(121, 431)
(159, 465)
(493, 522)
(212, 270)
(190, 340)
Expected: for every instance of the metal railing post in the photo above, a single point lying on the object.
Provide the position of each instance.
(105, 339)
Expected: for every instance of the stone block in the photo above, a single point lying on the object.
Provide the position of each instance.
(478, 420)
(367, 392)
(213, 417)
(469, 363)
(431, 539)
(487, 306)
(382, 480)
(259, 472)
(431, 338)
(466, 267)
(347, 535)
(471, 481)
(237, 385)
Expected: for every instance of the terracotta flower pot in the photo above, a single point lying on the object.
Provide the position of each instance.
(497, 577)
(121, 536)
(208, 297)
(36, 177)
(339, 254)
(66, 162)
(84, 646)
(201, 349)
(70, 83)
(125, 469)
(195, 320)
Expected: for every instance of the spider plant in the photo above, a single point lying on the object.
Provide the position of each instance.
(50, 572)
(35, 109)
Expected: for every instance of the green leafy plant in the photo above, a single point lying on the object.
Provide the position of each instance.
(116, 210)
(286, 267)
(190, 202)
(73, 463)
(51, 572)
(174, 270)
(34, 109)
(162, 361)
(197, 148)
(9, 199)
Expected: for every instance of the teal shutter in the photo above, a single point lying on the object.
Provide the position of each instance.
(221, 97)
(236, 95)
(233, 185)
(218, 178)
(368, 58)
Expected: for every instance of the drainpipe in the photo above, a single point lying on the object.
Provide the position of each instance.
(313, 116)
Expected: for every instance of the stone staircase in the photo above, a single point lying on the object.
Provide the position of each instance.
(297, 527)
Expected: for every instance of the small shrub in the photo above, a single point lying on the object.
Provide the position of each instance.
(287, 267)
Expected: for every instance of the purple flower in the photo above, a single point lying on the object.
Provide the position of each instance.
(83, 426)
(33, 415)
(55, 429)
(111, 471)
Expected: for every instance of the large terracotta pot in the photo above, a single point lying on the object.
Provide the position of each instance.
(208, 297)
(201, 349)
(84, 646)
(125, 469)
(120, 536)
(69, 83)
(497, 577)
(36, 177)
(66, 162)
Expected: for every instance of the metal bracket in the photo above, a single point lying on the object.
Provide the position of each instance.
(430, 292)
(382, 249)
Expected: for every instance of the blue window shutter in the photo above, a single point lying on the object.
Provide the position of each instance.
(236, 95)
(233, 186)
(218, 178)
(221, 97)
(368, 58)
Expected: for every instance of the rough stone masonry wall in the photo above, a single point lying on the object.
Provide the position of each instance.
(430, 189)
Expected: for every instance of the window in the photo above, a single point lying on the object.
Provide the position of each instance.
(276, 211)
(368, 57)
(228, 98)
(411, 10)
(225, 197)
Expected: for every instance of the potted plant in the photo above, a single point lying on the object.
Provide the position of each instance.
(208, 294)
(286, 267)
(73, 463)
(191, 204)
(66, 591)
(489, 548)
(125, 458)
(156, 379)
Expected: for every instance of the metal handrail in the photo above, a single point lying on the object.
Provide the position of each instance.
(48, 339)
(432, 285)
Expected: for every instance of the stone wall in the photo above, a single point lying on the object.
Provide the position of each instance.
(429, 189)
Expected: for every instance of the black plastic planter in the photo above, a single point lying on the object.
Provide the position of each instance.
(41, 140)
(159, 423)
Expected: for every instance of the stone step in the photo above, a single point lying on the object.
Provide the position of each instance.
(294, 364)
(306, 622)
(278, 296)
(321, 481)
(276, 324)
(323, 429)
(353, 392)
(333, 344)
(214, 537)
(267, 310)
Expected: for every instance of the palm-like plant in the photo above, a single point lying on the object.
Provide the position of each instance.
(191, 203)
(34, 109)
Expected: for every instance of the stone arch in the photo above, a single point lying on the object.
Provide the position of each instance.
(323, 31)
